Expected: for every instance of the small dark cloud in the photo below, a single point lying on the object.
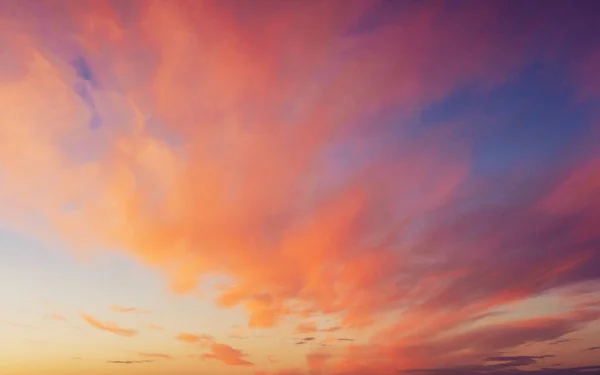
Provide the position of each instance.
(514, 361)
(594, 348)
(128, 362)
(82, 69)
(556, 342)
(479, 370)
(300, 343)
(308, 338)
(345, 339)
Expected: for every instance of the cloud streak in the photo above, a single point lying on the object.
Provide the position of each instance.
(108, 326)
(56, 317)
(128, 310)
(156, 355)
(128, 362)
(191, 338)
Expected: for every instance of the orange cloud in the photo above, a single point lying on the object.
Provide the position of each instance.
(259, 149)
(279, 226)
(191, 338)
(156, 355)
(306, 328)
(108, 326)
(155, 327)
(227, 355)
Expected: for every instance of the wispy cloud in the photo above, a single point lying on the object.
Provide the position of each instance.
(129, 362)
(156, 355)
(55, 317)
(331, 329)
(108, 326)
(128, 310)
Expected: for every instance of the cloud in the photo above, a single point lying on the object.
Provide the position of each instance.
(308, 338)
(342, 199)
(456, 349)
(306, 327)
(155, 327)
(191, 338)
(311, 327)
(355, 203)
(55, 317)
(128, 309)
(129, 362)
(108, 326)
(594, 348)
(226, 354)
(556, 342)
(514, 361)
(156, 355)
(510, 366)
(331, 329)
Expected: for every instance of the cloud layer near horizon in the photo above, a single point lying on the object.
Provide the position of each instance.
(288, 148)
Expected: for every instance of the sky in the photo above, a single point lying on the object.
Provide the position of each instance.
(312, 187)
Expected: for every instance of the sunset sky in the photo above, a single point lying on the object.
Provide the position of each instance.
(299, 187)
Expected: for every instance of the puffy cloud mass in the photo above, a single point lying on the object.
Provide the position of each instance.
(355, 159)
